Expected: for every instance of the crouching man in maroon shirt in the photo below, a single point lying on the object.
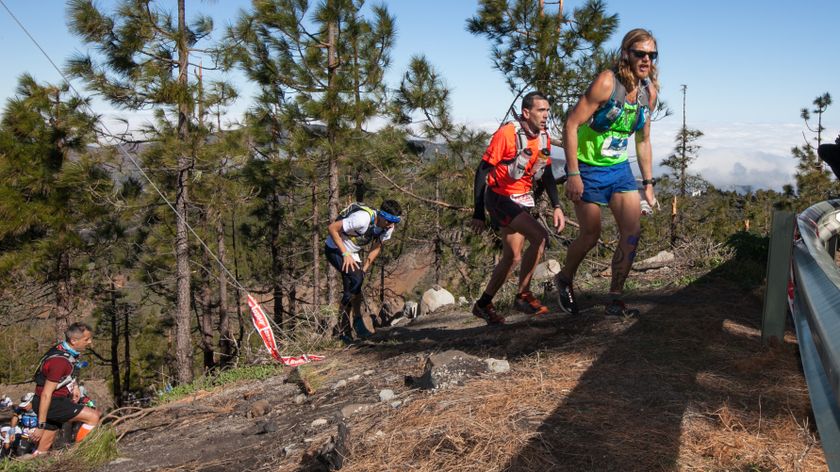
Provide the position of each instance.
(57, 389)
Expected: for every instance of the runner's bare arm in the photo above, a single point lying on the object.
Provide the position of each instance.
(644, 151)
(372, 255)
(597, 93)
(43, 408)
(335, 229)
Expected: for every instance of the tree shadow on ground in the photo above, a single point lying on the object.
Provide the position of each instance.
(697, 348)
(693, 353)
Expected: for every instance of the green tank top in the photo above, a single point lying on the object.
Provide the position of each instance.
(610, 147)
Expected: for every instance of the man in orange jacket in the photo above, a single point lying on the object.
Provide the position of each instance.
(518, 155)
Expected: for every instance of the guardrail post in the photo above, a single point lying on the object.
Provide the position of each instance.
(778, 272)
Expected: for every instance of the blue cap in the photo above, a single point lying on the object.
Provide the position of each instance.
(389, 217)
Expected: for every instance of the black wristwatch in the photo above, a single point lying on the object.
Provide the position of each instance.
(42, 425)
(651, 181)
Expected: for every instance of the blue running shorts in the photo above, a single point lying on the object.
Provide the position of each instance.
(601, 182)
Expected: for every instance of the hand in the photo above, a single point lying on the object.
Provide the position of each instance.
(574, 188)
(559, 220)
(478, 225)
(35, 434)
(651, 198)
(349, 264)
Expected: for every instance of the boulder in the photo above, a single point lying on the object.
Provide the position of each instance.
(546, 270)
(259, 408)
(435, 298)
(447, 368)
(497, 366)
(661, 259)
(386, 395)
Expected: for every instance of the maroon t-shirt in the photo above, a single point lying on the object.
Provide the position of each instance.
(54, 370)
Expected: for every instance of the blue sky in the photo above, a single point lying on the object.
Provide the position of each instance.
(749, 67)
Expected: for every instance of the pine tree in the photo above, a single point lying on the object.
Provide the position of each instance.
(328, 71)
(143, 61)
(50, 191)
(686, 151)
(813, 181)
(538, 47)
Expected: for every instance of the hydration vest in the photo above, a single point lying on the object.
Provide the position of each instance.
(523, 163)
(612, 109)
(366, 237)
(28, 419)
(67, 381)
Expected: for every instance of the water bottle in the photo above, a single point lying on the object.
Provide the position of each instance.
(516, 169)
(646, 208)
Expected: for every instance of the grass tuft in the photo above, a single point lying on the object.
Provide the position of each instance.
(98, 449)
(207, 382)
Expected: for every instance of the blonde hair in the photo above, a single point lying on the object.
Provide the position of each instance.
(623, 70)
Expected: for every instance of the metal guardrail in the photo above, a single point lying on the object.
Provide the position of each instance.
(814, 297)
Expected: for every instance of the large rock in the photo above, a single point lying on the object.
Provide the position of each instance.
(546, 270)
(448, 368)
(435, 298)
(259, 408)
(661, 259)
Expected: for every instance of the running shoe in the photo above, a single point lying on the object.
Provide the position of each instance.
(619, 309)
(566, 296)
(488, 314)
(526, 302)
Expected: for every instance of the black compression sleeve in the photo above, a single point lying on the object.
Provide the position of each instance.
(550, 186)
(479, 186)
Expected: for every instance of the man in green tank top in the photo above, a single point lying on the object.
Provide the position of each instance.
(615, 107)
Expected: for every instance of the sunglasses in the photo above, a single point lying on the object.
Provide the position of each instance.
(640, 54)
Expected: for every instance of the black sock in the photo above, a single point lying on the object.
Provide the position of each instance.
(484, 300)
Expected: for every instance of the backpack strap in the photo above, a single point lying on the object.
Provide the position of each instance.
(522, 137)
(360, 239)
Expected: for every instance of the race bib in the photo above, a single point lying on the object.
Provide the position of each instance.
(614, 147)
(523, 199)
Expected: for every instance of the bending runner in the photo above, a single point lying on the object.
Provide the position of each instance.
(517, 155)
(356, 227)
(24, 420)
(57, 390)
(616, 105)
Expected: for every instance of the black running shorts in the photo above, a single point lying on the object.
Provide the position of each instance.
(501, 208)
(62, 410)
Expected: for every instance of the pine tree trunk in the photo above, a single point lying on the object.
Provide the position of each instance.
(277, 267)
(183, 341)
(674, 222)
(126, 351)
(63, 296)
(316, 250)
(206, 322)
(115, 348)
(237, 293)
(207, 327)
(225, 334)
(332, 124)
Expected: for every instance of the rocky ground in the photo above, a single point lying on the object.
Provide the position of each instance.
(686, 386)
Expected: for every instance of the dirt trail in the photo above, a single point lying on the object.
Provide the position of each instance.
(687, 385)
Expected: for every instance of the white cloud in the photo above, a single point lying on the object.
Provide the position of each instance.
(754, 154)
